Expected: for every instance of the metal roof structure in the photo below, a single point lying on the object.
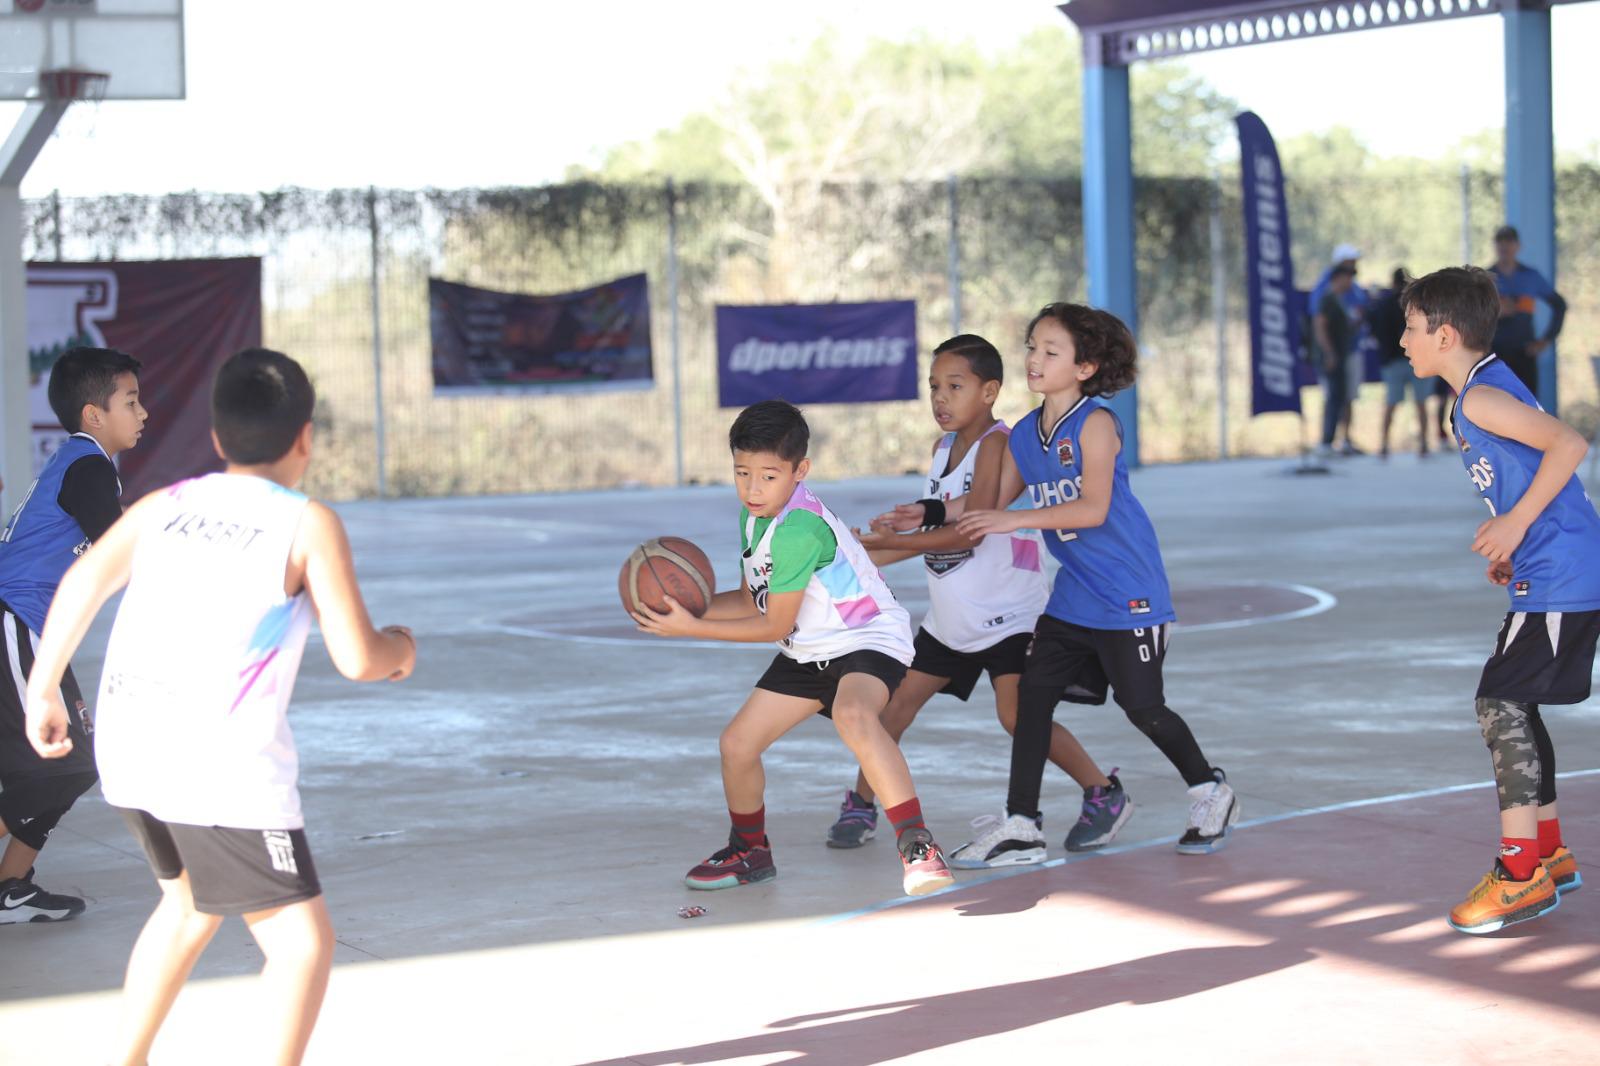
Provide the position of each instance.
(1119, 33)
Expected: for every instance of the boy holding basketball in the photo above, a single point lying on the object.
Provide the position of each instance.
(985, 595)
(224, 574)
(843, 646)
(1541, 538)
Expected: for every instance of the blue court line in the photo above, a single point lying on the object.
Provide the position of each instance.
(1332, 808)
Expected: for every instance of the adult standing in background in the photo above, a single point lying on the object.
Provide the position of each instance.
(1387, 320)
(1521, 287)
(1335, 333)
(1355, 301)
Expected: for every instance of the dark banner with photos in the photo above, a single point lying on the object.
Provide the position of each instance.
(486, 341)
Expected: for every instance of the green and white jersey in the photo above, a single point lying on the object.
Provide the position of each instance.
(847, 607)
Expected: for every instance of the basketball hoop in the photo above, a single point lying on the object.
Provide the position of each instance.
(72, 83)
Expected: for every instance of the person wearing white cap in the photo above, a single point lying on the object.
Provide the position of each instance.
(1355, 304)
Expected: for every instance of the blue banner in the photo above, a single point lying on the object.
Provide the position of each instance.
(817, 353)
(1276, 307)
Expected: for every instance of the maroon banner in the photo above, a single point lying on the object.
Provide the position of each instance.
(179, 317)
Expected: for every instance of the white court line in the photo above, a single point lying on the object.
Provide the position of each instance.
(1398, 797)
(1323, 601)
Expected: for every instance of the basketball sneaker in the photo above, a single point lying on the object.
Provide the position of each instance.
(1015, 840)
(23, 901)
(736, 864)
(1106, 809)
(1563, 869)
(1213, 811)
(1497, 901)
(923, 863)
(858, 821)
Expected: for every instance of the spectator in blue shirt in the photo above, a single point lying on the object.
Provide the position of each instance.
(1354, 300)
(1521, 287)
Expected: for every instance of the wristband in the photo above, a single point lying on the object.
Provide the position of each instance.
(932, 512)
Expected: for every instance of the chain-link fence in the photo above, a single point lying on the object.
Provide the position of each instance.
(345, 291)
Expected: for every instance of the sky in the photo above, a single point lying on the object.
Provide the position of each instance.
(450, 93)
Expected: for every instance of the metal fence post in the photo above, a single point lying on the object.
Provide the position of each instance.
(377, 341)
(955, 255)
(1466, 214)
(672, 318)
(1219, 311)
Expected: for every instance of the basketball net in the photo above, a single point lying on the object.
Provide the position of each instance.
(79, 86)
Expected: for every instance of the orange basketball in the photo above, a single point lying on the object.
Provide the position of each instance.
(667, 566)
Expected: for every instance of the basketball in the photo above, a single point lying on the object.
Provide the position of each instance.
(667, 566)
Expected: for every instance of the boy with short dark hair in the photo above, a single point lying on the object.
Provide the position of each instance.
(843, 646)
(76, 498)
(1541, 538)
(224, 574)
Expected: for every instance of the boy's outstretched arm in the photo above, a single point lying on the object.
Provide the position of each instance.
(1101, 443)
(989, 480)
(360, 652)
(84, 589)
(1564, 448)
(782, 609)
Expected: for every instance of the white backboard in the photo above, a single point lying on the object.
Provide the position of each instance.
(138, 42)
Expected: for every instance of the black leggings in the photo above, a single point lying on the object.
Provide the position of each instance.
(1030, 744)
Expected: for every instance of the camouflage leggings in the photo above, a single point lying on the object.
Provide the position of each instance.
(1524, 758)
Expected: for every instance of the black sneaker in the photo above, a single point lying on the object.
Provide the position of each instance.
(736, 864)
(858, 821)
(23, 901)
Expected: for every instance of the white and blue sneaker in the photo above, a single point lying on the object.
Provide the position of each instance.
(1213, 812)
(1015, 840)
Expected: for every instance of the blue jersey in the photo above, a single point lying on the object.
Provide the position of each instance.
(1111, 576)
(1557, 566)
(41, 541)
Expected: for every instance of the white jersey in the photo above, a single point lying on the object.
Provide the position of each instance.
(191, 725)
(981, 595)
(847, 607)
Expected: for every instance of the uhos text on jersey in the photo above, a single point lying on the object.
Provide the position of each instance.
(757, 356)
(1049, 494)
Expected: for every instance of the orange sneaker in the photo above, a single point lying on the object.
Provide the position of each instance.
(1563, 869)
(1497, 901)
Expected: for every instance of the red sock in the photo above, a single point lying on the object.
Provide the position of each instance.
(751, 828)
(904, 816)
(1549, 837)
(1520, 855)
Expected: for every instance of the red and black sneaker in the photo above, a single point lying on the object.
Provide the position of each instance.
(737, 864)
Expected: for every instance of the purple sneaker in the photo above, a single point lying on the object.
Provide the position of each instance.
(1105, 810)
(858, 821)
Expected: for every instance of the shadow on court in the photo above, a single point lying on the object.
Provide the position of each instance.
(880, 1032)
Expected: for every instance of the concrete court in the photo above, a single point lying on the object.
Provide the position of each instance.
(503, 828)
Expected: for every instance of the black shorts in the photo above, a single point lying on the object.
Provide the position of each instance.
(1081, 664)
(963, 668)
(31, 807)
(1542, 658)
(820, 680)
(17, 757)
(231, 871)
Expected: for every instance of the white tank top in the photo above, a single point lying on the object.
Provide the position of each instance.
(847, 607)
(981, 595)
(191, 724)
